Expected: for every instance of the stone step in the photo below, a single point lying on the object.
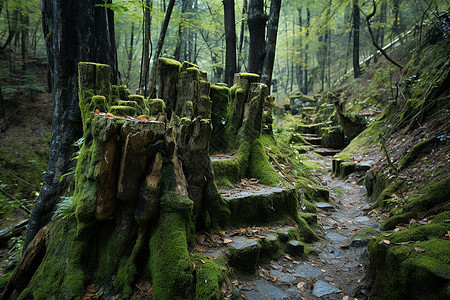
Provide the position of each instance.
(326, 151)
(248, 247)
(312, 138)
(259, 204)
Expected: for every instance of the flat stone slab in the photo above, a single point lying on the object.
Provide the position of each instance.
(362, 219)
(332, 251)
(241, 243)
(326, 152)
(283, 277)
(321, 288)
(335, 237)
(258, 191)
(325, 206)
(307, 271)
(265, 290)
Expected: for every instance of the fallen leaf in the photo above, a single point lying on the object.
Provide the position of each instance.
(301, 286)
(403, 243)
(412, 221)
(92, 288)
(228, 241)
(387, 242)
(200, 248)
(419, 250)
(202, 261)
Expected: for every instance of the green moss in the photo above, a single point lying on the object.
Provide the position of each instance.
(124, 278)
(120, 110)
(230, 171)
(98, 102)
(310, 207)
(220, 97)
(209, 278)
(310, 218)
(260, 166)
(138, 99)
(393, 221)
(295, 138)
(312, 191)
(156, 106)
(251, 76)
(442, 217)
(306, 233)
(414, 153)
(418, 268)
(4, 278)
(169, 63)
(169, 261)
(435, 194)
(380, 79)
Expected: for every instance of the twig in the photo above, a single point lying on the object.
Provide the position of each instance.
(373, 38)
(17, 177)
(21, 205)
(388, 156)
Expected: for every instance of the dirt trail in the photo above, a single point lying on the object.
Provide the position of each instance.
(339, 270)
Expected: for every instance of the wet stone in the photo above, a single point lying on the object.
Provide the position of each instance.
(283, 277)
(295, 248)
(241, 243)
(307, 271)
(362, 219)
(335, 237)
(325, 206)
(321, 288)
(327, 227)
(265, 290)
(331, 251)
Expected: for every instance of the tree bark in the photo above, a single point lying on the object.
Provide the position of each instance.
(75, 31)
(356, 28)
(230, 38)
(129, 52)
(25, 26)
(271, 43)
(162, 36)
(300, 67)
(12, 27)
(242, 36)
(143, 81)
(308, 23)
(256, 26)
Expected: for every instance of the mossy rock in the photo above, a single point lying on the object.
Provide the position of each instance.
(295, 138)
(269, 204)
(414, 263)
(120, 110)
(156, 106)
(346, 168)
(310, 218)
(209, 276)
(138, 99)
(312, 191)
(99, 102)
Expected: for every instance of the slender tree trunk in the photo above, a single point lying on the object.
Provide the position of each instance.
(356, 28)
(256, 26)
(180, 49)
(308, 23)
(230, 38)
(143, 81)
(75, 31)
(162, 36)
(12, 27)
(272, 32)
(129, 52)
(242, 37)
(25, 26)
(2, 104)
(300, 67)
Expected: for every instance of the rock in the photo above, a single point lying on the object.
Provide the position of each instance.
(362, 219)
(362, 238)
(325, 206)
(295, 248)
(269, 290)
(283, 277)
(307, 271)
(321, 288)
(335, 237)
(332, 251)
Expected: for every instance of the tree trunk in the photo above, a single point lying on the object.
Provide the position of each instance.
(241, 59)
(272, 32)
(2, 104)
(180, 48)
(75, 31)
(300, 67)
(143, 81)
(12, 27)
(257, 27)
(25, 26)
(308, 23)
(230, 38)
(356, 28)
(162, 36)
(129, 52)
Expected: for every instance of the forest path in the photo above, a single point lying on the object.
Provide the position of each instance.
(339, 269)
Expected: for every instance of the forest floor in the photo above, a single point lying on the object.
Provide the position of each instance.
(338, 269)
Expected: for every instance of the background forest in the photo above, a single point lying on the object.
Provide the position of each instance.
(321, 46)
